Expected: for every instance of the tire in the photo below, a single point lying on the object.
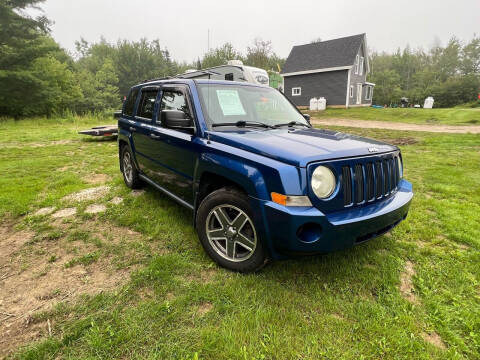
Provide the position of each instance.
(227, 232)
(129, 170)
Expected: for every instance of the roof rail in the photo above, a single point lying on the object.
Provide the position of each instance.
(156, 79)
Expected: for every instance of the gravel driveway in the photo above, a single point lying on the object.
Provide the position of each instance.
(370, 124)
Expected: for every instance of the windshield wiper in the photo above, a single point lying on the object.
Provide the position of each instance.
(243, 123)
(291, 123)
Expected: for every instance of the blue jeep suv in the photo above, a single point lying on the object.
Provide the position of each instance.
(261, 181)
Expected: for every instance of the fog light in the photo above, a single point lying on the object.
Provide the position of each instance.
(309, 232)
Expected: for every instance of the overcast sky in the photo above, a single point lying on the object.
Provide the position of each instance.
(182, 26)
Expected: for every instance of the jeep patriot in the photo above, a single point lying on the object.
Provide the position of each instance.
(261, 181)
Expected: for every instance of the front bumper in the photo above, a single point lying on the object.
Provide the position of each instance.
(290, 230)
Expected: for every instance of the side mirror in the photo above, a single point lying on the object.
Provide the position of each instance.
(176, 119)
(307, 117)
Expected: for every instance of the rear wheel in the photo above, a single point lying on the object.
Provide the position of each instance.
(130, 172)
(227, 231)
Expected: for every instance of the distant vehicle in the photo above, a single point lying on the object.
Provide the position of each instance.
(233, 71)
(261, 182)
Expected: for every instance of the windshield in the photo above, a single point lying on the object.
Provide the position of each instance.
(232, 103)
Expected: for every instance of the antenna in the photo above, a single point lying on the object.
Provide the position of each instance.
(208, 41)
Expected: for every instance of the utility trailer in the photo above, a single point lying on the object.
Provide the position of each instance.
(104, 130)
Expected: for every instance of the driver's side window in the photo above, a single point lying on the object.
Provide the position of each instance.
(175, 111)
(174, 100)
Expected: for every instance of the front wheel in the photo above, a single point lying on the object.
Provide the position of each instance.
(227, 231)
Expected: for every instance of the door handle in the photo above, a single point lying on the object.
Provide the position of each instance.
(132, 129)
(153, 136)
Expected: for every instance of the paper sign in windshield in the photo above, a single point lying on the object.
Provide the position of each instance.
(230, 103)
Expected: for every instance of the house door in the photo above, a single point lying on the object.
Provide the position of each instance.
(359, 93)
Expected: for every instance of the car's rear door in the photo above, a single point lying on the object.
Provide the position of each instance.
(142, 128)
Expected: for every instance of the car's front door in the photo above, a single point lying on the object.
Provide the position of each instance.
(173, 149)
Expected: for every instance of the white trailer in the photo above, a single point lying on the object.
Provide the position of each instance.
(234, 70)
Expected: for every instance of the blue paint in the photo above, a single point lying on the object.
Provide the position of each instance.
(261, 161)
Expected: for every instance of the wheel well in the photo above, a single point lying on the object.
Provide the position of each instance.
(210, 182)
(121, 144)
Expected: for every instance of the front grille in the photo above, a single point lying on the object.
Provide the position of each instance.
(371, 180)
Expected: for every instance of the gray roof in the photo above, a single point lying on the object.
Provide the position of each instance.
(325, 54)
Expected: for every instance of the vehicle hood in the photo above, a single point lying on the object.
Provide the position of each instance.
(299, 147)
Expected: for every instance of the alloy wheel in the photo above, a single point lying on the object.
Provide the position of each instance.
(231, 233)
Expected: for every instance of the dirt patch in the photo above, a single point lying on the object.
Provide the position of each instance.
(170, 296)
(51, 143)
(338, 316)
(402, 141)
(116, 200)
(371, 124)
(434, 339)
(406, 284)
(203, 276)
(64, 213)
(44, 211)
(136, 193)
(96, 179)
(34, 277)
(10, 241)
(464, 247)
(204, 309)
(95, 208)
(88, 194)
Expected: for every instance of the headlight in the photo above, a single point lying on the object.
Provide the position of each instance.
(400, 167)
(323, 182)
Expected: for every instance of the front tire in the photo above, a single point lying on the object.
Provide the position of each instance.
(129, 170)
(227, 232)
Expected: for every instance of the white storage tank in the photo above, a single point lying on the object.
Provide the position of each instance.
(313, 104)
(322, 103)
(428, 103)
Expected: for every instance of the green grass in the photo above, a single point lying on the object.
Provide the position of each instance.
(179, 305)
(452, 116)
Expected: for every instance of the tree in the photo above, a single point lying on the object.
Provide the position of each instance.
(387, 89)
(23, 41)
(57, 90)
(470, 63)
(260, 54)
(220, 56)
(106, 84)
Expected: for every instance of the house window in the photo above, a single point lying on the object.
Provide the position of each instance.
(296, 91)
(351, 90)
(361, 65)
(357, 59)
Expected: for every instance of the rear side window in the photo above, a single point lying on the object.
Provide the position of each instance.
(129, 106)
(147, 103)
